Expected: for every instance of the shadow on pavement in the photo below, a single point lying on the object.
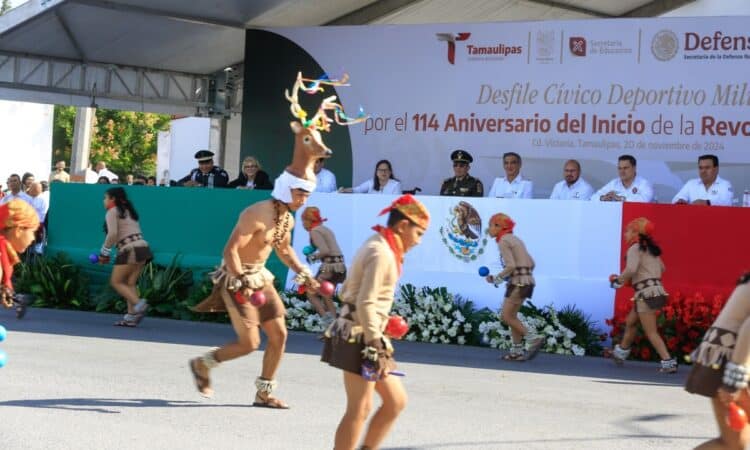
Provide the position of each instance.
(553, 442)
(206, 334)
(103, 405)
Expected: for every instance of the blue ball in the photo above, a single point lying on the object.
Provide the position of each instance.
(93, 258)
(3, 333)
(3, 358)
(308, 250)
(484, 271)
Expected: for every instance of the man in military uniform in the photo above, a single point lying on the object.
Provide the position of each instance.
(207, 174)
(462, 184)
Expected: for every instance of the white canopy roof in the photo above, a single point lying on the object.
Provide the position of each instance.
(199, 38)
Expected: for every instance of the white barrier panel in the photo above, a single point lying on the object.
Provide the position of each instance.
(665, 90)
(576, 245)
(26, 140)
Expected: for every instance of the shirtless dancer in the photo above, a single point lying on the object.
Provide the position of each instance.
(262, 227)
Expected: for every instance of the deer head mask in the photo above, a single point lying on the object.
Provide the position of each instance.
(308, 143)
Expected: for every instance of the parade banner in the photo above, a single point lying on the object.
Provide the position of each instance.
(665, 90)
(575, 245)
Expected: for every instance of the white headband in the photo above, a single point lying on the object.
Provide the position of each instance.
(282, 187)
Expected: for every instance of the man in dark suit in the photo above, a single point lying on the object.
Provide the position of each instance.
(207, 174)
(462, 184)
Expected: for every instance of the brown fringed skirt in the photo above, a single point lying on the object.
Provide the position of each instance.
(342, 344)
(709, 360)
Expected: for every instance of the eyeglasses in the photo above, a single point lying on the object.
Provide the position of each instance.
(251, 166)
(382, 170)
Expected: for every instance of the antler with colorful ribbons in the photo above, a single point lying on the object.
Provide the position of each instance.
(321, 120)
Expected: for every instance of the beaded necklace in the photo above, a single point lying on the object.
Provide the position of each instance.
(279, 233)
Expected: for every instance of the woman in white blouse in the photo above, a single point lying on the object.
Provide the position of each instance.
(382, 182)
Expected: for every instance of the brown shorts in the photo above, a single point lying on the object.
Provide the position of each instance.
(346, 356)
(522, 292)
(251, 316)
(333, 277)
(133, 255)
(651, 304)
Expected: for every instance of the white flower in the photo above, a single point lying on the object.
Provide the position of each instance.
(433, 340)
(452, 332)
(467, 327)
(578, 350)
(461, 340)
(551, 341)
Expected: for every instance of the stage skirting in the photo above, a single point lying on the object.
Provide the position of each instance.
(576, 245)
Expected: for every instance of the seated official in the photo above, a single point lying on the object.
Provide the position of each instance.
(513, 184)
(251, 176)
(572, 187)
(207, 174)
(709, 188)
(628, 187)
(461, 184)
(326, 180)
(383, 182)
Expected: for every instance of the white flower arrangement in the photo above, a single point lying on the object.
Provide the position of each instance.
(434, 315)
(437, 316)
(300, 314)
(544, 323)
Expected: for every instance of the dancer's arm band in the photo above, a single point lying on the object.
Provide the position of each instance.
(304, 276)
(736, 376)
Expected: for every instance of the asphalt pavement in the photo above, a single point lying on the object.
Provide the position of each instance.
(73, 381)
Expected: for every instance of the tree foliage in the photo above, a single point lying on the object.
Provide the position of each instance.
(125, 140)
(62, 133)
(4, 7)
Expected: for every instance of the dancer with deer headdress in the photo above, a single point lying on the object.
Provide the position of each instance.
(243, 286)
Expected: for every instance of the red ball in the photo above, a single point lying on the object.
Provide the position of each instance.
(258, 299)
(301, 289)
(736, 417)
(239, 298)
(396, 327)
(326, 288)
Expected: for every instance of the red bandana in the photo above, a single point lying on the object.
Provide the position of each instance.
(505, 223)
(312, 215)
(394, 242)
(641, 226)
(8, 258)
